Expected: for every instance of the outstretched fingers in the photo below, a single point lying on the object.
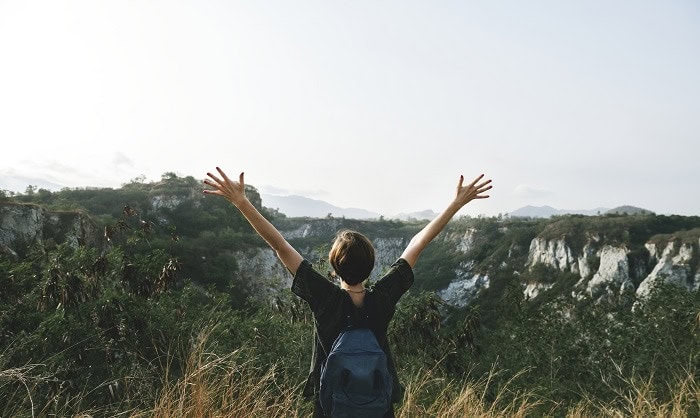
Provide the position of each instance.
(222, 185)
(214, 178)
(477, 187)
(484, 186)
(215, 182)
(481, 188)
(479, 177)
(225, 177)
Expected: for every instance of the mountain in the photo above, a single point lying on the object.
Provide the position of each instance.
(106, 280)
(424, 215)
(592, 257)
(598, 258)
(548, 211)
(629, 210)
(534, 212)
(299, 206)
(19, 184)
(296, 206)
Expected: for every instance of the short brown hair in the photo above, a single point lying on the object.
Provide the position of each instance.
(352, 256)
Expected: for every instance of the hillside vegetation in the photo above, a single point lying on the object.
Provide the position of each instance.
(155, 322)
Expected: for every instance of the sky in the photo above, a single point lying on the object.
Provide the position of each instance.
(379, 105)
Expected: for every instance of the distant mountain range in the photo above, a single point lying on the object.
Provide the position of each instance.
(299, 206)
(548, 211)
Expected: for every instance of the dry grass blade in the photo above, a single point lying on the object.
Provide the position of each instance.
(225, 386)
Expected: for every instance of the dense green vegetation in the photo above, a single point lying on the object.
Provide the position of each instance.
(108, 330)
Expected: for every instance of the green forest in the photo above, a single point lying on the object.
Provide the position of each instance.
(147, 317)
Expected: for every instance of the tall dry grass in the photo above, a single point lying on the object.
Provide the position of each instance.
(20, 389)
(429, 396)
(233, 385)
(639, 399)
(212, 385)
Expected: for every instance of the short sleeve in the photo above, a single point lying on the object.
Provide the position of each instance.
(311, 286)
(396, 281)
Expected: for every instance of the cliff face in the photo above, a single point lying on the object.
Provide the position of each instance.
(467, 283)
(607, 271)
(264, 275)
(25, 225)
(260, 272)
(673, 264)
(608, 258)
(598, 258)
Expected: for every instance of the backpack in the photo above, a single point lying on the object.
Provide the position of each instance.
(355, 379)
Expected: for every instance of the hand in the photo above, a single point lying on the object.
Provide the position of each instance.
(233, 191)
(471, 191)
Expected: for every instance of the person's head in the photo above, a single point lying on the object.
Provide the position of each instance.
(352, 256)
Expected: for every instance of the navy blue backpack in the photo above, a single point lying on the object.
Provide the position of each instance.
(355, 379)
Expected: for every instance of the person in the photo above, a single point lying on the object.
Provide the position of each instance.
(352, 257)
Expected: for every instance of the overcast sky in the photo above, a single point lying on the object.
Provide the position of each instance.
(373, 104)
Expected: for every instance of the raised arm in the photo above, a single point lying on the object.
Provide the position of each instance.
(234, 192)
(464, 195)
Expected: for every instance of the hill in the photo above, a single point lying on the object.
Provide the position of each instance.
(629, 210)
(300, 206)
(548, 211)
(107, 293)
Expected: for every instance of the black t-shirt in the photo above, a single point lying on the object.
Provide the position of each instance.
(331, 306)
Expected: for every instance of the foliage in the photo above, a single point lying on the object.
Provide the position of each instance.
(438, 264)
(630, 230)
(568, 348)
(150, 325)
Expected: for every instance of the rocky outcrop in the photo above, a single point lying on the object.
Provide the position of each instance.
(672, 265)
(167, 201)
(605, 264)
(533, 289)
(260, 272)
(467, 283)
(326, 228)
(387, 251)
(464, 241)
(462, 292)
(606, 273)
(25, 225)
(552, 253)
(613, 275)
